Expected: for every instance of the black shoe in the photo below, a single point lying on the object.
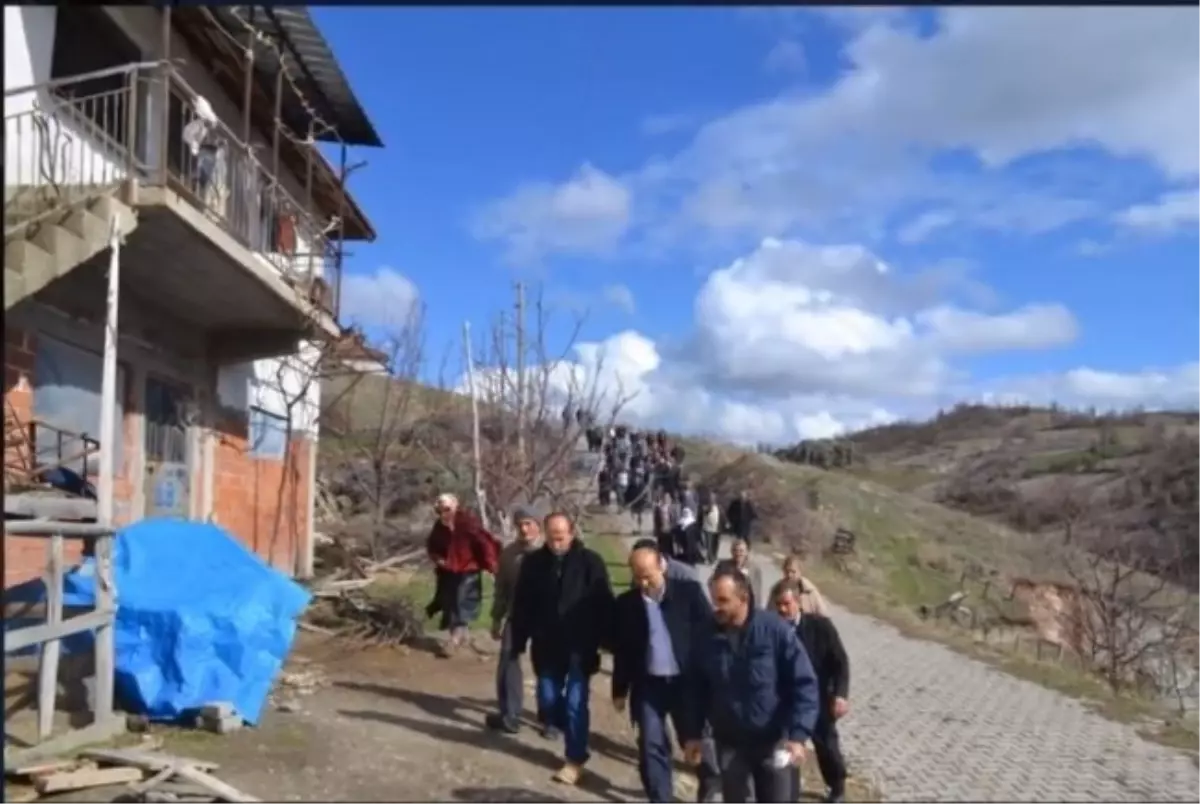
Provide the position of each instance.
(550, 733)
(497, 722)
(835, 797)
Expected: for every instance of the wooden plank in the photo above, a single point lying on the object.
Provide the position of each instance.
(79, 780)
(38, 768)
(220, 789)
(37, 634)
(98, 732)
(50, 650)
(140, 788)
(145, 760)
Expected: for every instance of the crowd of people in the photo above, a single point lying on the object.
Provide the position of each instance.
(746, 688)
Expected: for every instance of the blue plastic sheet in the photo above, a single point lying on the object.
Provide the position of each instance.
(200, 618)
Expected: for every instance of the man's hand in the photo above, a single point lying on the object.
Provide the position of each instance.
(797, 751)
(619, 704)
(439, 562)
(840, 707)
(693, 753)
(498, 631)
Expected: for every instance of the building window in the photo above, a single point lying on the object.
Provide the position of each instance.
(268, 434)
(66, 396)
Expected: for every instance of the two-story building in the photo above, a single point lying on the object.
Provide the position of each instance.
(156, 121)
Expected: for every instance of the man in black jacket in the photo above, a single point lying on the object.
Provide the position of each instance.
(757, 690)
(741, 517)
(562, 609)
(658, 627)
(820, 638)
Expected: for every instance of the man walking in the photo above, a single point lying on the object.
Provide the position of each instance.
(756, 687)
(711, 521)
(821, 641)
(742, 516)
(562, 610)
(659, 625)
(510, 691)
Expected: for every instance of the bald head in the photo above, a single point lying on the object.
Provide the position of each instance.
(648, 569)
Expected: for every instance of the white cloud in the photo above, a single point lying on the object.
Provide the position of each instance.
(621, 297)
(384, 300)
(793, 317)
(1172, 211)
(1154, 388)
(924, 225)
(995, 83)
(586, 214)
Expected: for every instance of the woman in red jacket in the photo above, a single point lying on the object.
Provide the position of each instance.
(461, 550)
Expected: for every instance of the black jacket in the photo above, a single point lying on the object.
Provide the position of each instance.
(820, 639)
(562, 608)
(741, 516)
(689, 619)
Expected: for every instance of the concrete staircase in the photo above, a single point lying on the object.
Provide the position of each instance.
(74, 232)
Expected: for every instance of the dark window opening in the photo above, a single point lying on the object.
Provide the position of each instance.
(86, 40)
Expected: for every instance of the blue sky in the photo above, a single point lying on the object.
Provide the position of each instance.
(795, 221)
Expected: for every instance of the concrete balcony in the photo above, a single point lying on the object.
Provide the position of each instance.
(212, 239)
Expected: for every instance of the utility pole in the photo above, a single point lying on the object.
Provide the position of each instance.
(520, 336)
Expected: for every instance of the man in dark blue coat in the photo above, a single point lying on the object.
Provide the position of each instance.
(756, 687)
(659, 626)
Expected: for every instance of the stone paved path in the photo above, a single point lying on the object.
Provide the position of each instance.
(929, 724)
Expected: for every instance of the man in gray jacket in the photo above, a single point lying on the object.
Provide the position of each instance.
(510, 690)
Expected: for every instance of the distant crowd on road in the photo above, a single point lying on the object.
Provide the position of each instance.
(748, 682)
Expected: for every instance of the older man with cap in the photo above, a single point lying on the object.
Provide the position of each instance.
(461, 550)
(510, 690)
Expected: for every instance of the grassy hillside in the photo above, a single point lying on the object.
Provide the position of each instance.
(1044, 471)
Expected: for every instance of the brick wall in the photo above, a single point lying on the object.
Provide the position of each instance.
(263, 501)
(23, 558)
(26, 558)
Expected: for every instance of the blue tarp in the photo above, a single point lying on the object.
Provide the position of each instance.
(200, 619)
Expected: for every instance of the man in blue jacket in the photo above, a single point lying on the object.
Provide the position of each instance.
(756, 687)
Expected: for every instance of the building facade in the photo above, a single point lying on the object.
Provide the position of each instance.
(152, 124)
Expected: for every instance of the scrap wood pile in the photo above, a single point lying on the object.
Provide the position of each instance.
(147, 775)
(345, 607)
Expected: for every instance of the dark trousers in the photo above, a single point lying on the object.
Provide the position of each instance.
(712, 545)
(828, 748)
(750, 768)
(656, 700)
(510, 686)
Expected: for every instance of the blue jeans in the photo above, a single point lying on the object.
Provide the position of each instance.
(564, 700)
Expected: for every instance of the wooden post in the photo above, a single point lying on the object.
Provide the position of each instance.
(520, 339)
(248, 82)
(105, 656)
(164, 115)
(475, 446)
(278, 124)
(51, 649)
(108, 382)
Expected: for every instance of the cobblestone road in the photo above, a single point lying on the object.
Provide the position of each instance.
(929, 724)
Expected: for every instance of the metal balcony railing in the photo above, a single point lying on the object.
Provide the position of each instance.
(71, 139)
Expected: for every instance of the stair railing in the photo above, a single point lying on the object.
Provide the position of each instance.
(69, 140)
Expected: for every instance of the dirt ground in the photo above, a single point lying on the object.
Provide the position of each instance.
(392, 725)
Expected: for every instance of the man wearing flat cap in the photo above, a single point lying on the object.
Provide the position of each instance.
(510, 690)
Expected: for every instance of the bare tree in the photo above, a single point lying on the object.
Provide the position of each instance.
(1131, 625)
(529, 449)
